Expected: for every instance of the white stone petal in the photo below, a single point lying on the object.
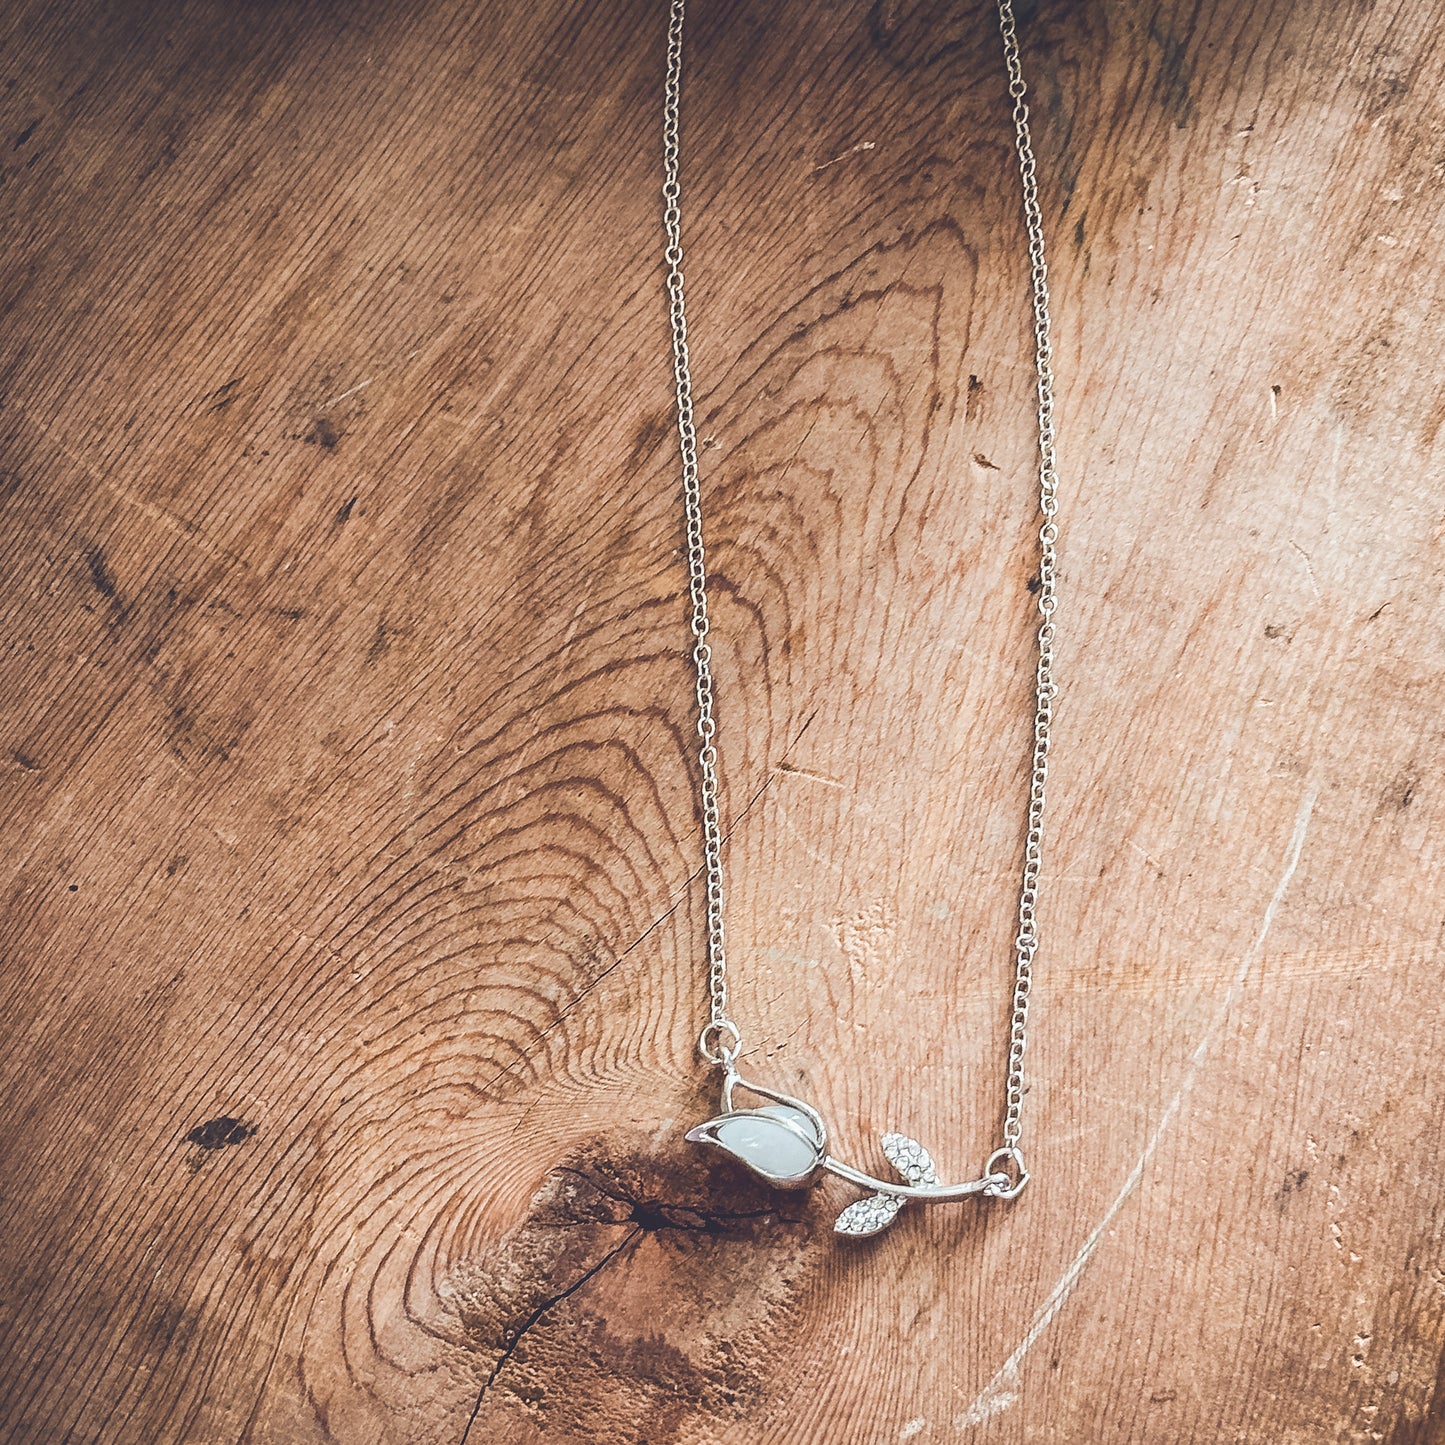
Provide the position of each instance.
(766, 1145)
(793, 1116)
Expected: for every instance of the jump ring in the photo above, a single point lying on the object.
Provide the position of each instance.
(1013, 1182)
(710, 1045)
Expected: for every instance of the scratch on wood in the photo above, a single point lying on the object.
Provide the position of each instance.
(863, 145)
(350, 391)
(997, 1396)
(792, 772)
(1309, 567)
(172, 521)
(1001, 1391)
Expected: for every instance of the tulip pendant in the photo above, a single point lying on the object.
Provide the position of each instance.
(785, 1143)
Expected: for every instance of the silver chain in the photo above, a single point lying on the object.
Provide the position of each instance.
(719, 1026)
(720, 1040)
(1026, 943)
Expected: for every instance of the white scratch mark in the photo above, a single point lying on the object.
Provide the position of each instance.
(996, 1397)
(1002, 1390)
(348, 392)
(1245, 179)
(789, 771)
(1309, 567)
(914, 1427)
(863, 145)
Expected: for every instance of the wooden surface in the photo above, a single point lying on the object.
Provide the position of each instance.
(351, 928)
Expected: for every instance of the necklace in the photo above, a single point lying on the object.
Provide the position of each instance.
(785, 1140)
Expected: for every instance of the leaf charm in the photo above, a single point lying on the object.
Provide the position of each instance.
(914, 1165)
(868, 1216)
(910, 1159)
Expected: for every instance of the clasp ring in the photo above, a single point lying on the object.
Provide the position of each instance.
(1012, 1182)
(711, 1046)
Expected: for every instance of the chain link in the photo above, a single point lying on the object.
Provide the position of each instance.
(720, 1041)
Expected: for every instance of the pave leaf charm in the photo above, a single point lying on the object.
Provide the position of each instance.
(910, 1159)
(868, 1216)
(878, 1211)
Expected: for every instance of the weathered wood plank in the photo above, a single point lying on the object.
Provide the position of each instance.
(351, 962)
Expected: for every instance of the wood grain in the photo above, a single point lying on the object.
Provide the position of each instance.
(351, 928)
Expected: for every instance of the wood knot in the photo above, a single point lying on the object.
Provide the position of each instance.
(638, 1294)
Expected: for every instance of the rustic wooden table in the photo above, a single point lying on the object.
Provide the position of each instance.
(351, 926)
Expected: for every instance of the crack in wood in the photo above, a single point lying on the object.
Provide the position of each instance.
(510, 1346)
(652, 1214)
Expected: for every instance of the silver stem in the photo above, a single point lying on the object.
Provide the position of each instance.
(939, 1192)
